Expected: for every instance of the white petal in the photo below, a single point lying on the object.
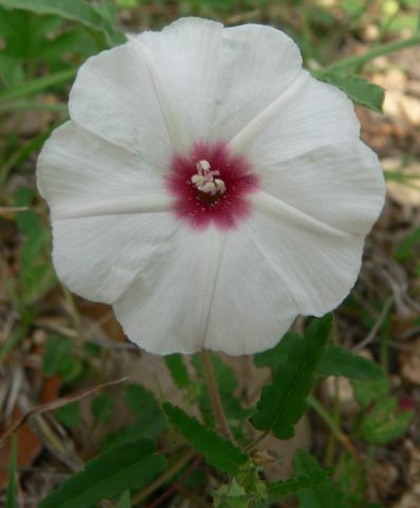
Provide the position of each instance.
(341, 186)
(81, 174)
(215, 290)
(257, 65)
(317, 263)
(99, 257)
(114, 96)
(317, 115)
(185, 58)
(166, 308)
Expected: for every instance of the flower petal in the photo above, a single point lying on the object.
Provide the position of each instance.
(317, 263)
(256, 66)
(114, 96)
(318, 114)
(185, 59)
(99, 257)
(341, 186)
(79, 171)
(166, 308)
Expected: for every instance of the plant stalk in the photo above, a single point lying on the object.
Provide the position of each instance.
(214, 394)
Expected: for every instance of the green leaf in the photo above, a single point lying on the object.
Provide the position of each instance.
(38, 84)
(102, 406)
(406, 248)
(338, 361)
(132, 465)
(178, 370)
(77, 10)
(143, 404)
(218, 452)
(384, 422)
(69, 414)
(283, 402)
(357, 89)
(273, 357)
(285, 487)
(124, 501)
(367, 391)
(323, 495)
(11, 501)
(231, 495)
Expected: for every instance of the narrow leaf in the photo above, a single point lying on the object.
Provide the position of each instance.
(338, 361)
(124, 501)
(11, 501)
(132, 465)
(38, 84)
(357, 89)
(76, 10)
(284, 401)
(218, 452)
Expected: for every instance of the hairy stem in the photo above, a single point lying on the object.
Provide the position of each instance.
(214, 394)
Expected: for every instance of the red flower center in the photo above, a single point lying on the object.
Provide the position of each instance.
(210, 185)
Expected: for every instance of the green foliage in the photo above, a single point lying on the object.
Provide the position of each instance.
(385, 422)
(178, 370)
(285, 487)
(93, 17)
(132, 465)
(11, 498)
(69, 415)
(323, 494)
(149, 420)
(382, 420)
(102, 407)
(231, 495)
(124, 501)
(338, 361)
(283, 402)
(59, 360)
(406, 248)
(273, 357)
(218, 452)
(358, 89)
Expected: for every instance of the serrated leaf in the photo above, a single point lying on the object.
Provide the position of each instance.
(357, 89)
(218, 452)
(285, 487)
(283, 402)
(323, 495)
(273, 357)
(367, 391)
(384, 423)
(178, 370)
(338, 361)
(132, 465)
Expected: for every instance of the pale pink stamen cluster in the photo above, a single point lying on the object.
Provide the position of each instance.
(204, 180)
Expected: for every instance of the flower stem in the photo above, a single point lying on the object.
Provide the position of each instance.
(214, 394)
(383, 49)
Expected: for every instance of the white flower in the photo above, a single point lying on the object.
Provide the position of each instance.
(208, 188)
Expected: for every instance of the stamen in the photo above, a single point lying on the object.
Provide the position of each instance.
(204, 180)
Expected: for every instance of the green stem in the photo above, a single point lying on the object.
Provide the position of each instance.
(384, 49)
(214, 394)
